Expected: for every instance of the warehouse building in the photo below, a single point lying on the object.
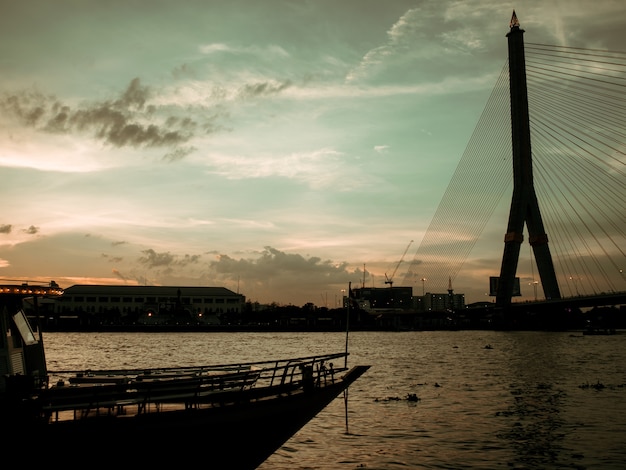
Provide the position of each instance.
(149, 305)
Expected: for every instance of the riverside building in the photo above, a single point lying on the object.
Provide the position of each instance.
(149, 305)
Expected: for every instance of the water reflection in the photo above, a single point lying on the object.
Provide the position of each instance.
(535, 424)
(538, 364)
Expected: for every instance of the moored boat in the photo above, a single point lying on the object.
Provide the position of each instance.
(229, 415)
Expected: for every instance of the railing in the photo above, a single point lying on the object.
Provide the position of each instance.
(113, 391)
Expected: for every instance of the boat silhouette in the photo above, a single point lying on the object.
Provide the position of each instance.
(224, 416)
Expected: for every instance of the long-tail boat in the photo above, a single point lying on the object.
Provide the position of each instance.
(220, 416)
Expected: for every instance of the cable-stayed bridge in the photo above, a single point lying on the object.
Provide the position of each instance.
(552, 135)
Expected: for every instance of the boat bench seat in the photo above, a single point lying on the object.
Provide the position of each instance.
(111, 393)
(183, 389)
(86, 398)
(191, 389)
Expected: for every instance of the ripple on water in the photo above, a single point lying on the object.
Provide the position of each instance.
(520, 404)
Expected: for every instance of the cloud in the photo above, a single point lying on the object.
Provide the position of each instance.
(273, 263)
(269, 274)
(135, 95)
(128, 121)
(429, 42)
(214, 48)
(119, 275)
(217, 96)
(374, 58)
(274, 274)
(6, 228)
(32, 230)
(152, 259)
(320, 168)
(271, 50)
(263, 88)
(183, 71)
(178, 154)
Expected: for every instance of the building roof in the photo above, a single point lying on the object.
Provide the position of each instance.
(171, 291)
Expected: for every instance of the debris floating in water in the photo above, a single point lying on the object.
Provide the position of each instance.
(597, 385)
(409, 397)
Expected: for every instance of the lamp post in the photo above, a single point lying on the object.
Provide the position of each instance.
(423, 286)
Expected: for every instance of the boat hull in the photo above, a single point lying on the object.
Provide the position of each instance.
(240, 434)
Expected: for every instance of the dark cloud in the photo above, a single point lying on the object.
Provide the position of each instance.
(6, 228)
(118, 274)
(178, 154)
(274, 263)
(28, 106)
(118, 123)
(263, 89)
(152, 259)
(135, 95)
(189, 259)
(32, 230)
(129, 121)
(58, 122)
(290, 277)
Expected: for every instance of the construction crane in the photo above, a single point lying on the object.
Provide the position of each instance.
(389, 279)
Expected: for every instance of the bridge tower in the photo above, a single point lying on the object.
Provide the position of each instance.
(524, 205)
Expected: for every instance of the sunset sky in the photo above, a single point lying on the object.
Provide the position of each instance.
(275, 147)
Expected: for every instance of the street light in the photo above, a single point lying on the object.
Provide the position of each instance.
(423, 286)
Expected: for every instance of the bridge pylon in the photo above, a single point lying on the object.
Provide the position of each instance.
(524, 205)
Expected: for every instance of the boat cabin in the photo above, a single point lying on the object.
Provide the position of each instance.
(22, 358)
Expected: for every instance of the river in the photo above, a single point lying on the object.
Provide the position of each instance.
(485, 399)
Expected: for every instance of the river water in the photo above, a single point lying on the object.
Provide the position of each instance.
(486, 400)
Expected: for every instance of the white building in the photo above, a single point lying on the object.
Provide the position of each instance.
(441, 302)
(147, 304)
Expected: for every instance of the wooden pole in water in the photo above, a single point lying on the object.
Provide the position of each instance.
(345, 392)
(345, 402)
(348, 321)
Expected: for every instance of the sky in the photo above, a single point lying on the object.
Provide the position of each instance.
(280, 148)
